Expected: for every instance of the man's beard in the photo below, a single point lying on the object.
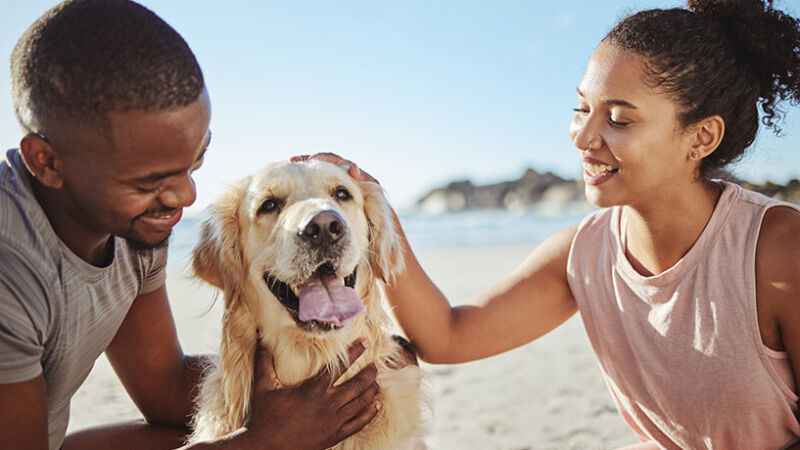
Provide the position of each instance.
(139, 246)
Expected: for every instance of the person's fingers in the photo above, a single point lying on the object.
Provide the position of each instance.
(360, 421)
(356, 386)
(354, 351)
(356, 405)
(265, 377)
(332, 158)
(352, 168)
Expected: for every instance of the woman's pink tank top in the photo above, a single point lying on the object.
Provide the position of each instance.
(681, 351)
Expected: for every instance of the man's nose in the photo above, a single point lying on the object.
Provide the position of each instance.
(181, 193)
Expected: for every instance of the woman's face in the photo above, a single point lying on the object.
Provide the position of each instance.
(633, 148)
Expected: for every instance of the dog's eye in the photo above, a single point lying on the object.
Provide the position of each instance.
(342, 194)
(269, 205)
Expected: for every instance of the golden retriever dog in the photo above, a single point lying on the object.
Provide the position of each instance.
(301, 252)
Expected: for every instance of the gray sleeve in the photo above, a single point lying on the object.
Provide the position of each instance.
(23, 312)
(157, 271)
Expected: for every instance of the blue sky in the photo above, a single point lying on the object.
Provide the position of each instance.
(419, 93)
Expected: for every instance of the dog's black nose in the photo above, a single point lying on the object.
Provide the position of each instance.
(323, 228)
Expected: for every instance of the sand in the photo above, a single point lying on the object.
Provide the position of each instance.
(548, 394)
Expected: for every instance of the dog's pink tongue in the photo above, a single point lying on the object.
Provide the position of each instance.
(329, 300)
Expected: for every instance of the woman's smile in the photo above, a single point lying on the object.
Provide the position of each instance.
(596, 172)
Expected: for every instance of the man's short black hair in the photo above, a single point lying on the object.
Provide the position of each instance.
(85, 58)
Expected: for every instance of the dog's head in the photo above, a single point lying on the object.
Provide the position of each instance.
(302, 242)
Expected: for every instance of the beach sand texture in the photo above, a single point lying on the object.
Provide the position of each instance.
(548, 394)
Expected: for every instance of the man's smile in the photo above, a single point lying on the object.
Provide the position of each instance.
(161, 220)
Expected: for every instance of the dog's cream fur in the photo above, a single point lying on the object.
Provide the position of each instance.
(241, 241)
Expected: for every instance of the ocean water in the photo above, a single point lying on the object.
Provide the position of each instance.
(468, 229)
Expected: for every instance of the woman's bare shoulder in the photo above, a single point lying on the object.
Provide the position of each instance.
(778, 270)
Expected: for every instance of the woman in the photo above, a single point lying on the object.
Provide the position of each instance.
(689, 287)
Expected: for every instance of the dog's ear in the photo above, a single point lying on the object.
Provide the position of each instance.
(385, 252)
(217, 257)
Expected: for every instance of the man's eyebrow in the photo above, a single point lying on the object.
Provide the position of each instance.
(153, 177)
(614, 102)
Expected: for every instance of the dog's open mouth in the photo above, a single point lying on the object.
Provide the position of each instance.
(324, 302)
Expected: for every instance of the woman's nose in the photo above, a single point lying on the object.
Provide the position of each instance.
(584, 136)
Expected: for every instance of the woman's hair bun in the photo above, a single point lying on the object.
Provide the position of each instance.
(769, 39)
(713, 7)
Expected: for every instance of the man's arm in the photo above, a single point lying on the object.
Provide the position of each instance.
(23, 415)
(160, 379)
(23, 325)
(149, 361)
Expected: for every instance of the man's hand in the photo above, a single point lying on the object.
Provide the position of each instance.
(352, 168)
(313, 415)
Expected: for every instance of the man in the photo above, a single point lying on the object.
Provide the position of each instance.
(115, 119)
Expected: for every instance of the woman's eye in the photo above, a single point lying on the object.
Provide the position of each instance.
(618, 124)
(581, 110)
(342, 194)
(269, 205)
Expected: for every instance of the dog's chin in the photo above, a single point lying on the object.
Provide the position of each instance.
(287, 295)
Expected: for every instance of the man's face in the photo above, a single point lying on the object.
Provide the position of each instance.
(136, 183)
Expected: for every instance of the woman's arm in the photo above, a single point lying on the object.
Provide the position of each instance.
(778, 283)
(528, 303)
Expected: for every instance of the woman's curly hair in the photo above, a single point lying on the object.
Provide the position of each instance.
(719, 57)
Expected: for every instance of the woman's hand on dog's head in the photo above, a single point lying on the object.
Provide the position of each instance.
(352, 168)
(314, 414)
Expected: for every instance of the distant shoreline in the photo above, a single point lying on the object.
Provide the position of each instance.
(549, 193)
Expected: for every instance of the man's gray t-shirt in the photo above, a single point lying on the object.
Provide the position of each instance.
(58, 313)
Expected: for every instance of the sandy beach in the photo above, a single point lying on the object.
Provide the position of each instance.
(548, 394)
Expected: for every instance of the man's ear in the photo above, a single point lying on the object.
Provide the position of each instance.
(42, 160)
(708, 134)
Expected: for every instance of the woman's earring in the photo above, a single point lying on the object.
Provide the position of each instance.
(695, 155)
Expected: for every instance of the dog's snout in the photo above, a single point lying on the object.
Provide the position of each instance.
(325, 227)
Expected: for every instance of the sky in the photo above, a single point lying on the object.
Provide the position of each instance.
(417, 92)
